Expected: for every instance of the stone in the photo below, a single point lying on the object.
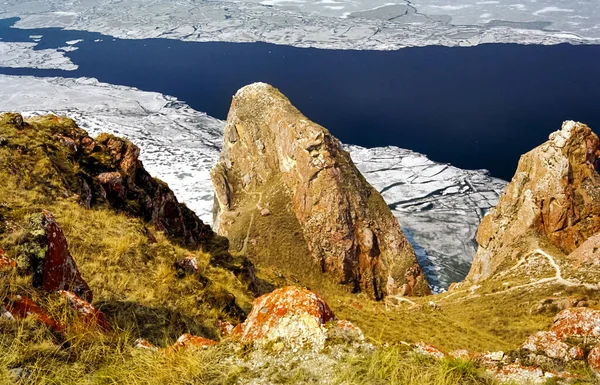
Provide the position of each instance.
(552, 200)
(429, 350)
(22, 307)
(225, 327)
(593, 360)
(189, 264)
(5, 313)
(190, 341)
(344, 331)
(6, 262)
(292, 315)
(550, 345)
(86, 311)
(144, 344)
(577, 322)
(554, 305)
(60, 271)
(325, 208)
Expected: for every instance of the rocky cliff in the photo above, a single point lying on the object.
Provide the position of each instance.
(289, 177)
(552, 204)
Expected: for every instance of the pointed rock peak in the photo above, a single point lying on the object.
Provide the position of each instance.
(552, 203)
(287, 194)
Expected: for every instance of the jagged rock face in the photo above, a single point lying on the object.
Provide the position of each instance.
(108, 170)
(44, 252)
(60, 271)
(553, 201)
(274, 159)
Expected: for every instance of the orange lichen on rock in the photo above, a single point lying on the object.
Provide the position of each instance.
(550, 345)
(6, 262)
(190, 341)
(269, 310)
(86, 310)
(577, 322)
(22, 307)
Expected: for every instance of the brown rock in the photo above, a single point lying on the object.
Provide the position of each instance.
(550, 345)
(189, 264)
(6, 262)
(594, 360)
(274, 155)
(190, 341)
(552, 199)
(429, 350)
(577, 322)
(21, 307)
(292, 314)
(86, 310)
(60, 271)
(142, 343)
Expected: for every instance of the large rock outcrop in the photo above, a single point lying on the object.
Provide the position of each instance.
(551, 204)
(282, 174)
(106, 169)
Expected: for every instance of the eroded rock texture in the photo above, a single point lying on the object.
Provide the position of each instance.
(552, 203)
(292, 177)
(44, 252)
(107, 169)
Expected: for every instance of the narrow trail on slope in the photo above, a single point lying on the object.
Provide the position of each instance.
(558, 278)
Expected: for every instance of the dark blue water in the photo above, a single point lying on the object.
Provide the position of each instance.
(477, 107)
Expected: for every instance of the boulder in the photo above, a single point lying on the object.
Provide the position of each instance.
(577, 322)
(429, 350)
(318, 202)
(593, 360)
(190, 341)
(22, 307)
(44, 252)
(551, 202)
(86, 311)
(291, 315)
(144, 344)
(6, 262)
(60, 271)
(550, 345)
(188, 264)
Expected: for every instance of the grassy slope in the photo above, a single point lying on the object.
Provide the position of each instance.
(136, 284)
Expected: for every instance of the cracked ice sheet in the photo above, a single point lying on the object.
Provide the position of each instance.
(438, 206)
(23, 55)
(366, 24)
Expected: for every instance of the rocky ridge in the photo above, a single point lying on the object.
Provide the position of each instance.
(548, 210)
(180, 145)
(277, 160)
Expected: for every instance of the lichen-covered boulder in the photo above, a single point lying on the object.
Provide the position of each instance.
(20, 306)
(577, 322)
(144, 344)
(553, 201)
(191, 341)
(44, 252)
(287, 192)
(429, 350)
(291, 315)
(88, 313)
(550, 345)
(6, 262)
(593, 360)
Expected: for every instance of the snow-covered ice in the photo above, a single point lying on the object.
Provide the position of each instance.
(439, 206)
(23, 55)
(360, 24)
